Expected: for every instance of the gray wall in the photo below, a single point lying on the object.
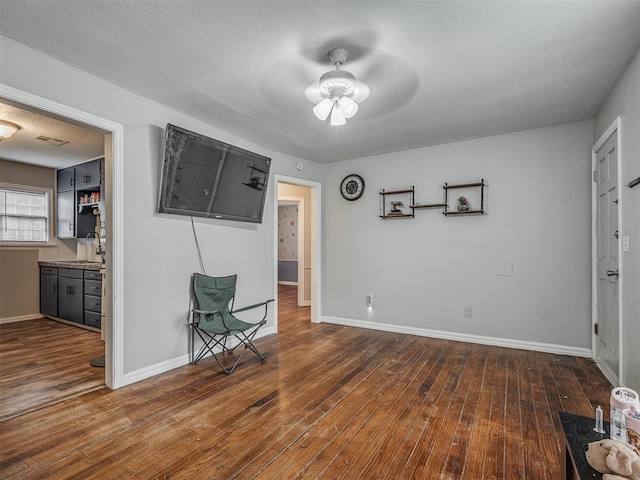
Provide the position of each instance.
(288, 271)
(625, 101)
(19, 273)
(159, 253)
(423, 272)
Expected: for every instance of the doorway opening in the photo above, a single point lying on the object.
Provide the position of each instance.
(113, 153)
(297, 247)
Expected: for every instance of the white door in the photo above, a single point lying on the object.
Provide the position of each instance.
(607, 329)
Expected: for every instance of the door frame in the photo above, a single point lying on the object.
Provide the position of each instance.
(614, 128)
(114, 265)
(301, 249)
(316, 244)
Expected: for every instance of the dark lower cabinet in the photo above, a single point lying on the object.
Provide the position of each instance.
(49, 291)
(70, 295)
(92, 298)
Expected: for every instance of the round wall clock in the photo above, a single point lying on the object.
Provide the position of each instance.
(352, 187)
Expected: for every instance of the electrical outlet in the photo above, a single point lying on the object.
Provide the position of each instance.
(468, 312)
(369, 299)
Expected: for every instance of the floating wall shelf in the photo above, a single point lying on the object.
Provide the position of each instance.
(477, 189)
(394, 203)
(398, 200)
(429, 205)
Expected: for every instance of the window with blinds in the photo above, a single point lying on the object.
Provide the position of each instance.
(24, 216)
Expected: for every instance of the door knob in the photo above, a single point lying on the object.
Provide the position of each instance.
(612, 273)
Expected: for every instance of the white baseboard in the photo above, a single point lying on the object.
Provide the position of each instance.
(173, 363)
(282, 282)
(462, 337)
(153, 370)
(21, 318)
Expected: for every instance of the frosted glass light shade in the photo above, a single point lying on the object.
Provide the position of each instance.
(7, 129)
(337, 116)
(348, 106)
(323, 109)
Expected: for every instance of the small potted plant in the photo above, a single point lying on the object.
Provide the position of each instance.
(396, 206)
(463, 204)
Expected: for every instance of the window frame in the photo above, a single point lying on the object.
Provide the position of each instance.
(50, 214)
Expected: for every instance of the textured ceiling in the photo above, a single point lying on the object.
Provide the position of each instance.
(439, 71)
(47, 141)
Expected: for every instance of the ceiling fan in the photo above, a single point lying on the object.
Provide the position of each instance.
(338, 90)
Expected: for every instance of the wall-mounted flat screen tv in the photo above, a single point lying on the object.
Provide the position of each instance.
(204, 177)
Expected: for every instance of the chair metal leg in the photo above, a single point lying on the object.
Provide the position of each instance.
(208, 345)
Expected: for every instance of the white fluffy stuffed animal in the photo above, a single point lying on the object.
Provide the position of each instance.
(617, 460)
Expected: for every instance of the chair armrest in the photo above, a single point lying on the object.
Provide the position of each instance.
(205, 312)
(253, 306)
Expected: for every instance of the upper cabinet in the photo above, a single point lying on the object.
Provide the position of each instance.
(66, 179)
(88, 174)
(79, 206)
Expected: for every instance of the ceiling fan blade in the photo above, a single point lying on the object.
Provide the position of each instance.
(312, 92)
(393, 82)
(360, 92)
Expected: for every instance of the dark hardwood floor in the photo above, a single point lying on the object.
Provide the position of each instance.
(44, 361)
(329, 402)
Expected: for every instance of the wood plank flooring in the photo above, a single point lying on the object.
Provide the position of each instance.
(43, 361)
(330, 402)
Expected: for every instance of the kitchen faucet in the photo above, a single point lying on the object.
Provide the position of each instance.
(100, 250)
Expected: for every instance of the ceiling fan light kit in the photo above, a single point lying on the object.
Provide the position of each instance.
(337, 88)
(7, 129)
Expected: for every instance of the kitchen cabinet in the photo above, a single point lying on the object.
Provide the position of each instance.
(66, 179)
(70, 294)
(66, 218)
(92, 298)
(77, 216)
(49, 291)
(88, 174)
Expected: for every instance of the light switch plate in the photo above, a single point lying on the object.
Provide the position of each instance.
(505, 270)
(625, 243)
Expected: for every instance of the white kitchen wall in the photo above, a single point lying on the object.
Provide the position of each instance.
(159, 252)
(625, 101)
(424, 271)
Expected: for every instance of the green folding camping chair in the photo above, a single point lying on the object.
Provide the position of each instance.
(213, 319)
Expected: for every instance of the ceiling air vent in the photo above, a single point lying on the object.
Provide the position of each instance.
(51, 141)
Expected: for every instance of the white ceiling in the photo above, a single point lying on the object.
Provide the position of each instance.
(439, 71)
(68, 144)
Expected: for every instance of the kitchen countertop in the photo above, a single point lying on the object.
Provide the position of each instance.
(79, 264)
